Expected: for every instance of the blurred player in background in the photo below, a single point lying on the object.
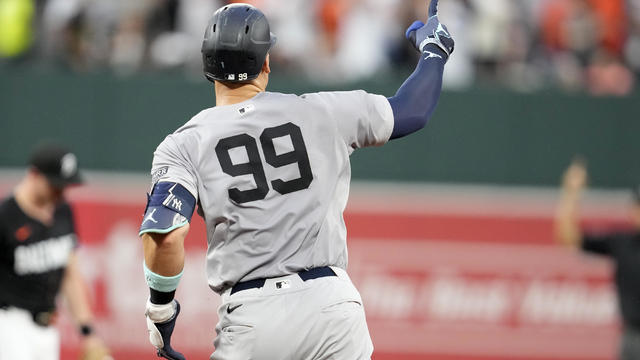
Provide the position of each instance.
(622, 247)
(270, 173)
(38, 260)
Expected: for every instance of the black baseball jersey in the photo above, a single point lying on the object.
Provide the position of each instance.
(33, 256)
(624, 249)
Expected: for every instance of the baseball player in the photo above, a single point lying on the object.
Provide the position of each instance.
(622, 247)
(270, 174)
(38, 261)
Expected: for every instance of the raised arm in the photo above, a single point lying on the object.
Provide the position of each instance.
(416, 99)
(566, 226)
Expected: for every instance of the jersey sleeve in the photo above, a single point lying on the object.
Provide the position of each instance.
(363, 119)
(4, 217)
(601, 244)
(170, 165)
(173, 195)
(3, 240)
(72, 224)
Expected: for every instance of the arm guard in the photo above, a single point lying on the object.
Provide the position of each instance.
(169, 206)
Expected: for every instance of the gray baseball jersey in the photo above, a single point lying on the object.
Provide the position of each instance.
(271, 176)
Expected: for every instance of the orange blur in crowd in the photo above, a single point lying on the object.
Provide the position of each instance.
(610, 20)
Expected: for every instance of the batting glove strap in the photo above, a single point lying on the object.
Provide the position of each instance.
(161, 320)
(160, 313)
(439, 44)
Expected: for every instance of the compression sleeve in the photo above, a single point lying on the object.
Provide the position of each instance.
(417, 97)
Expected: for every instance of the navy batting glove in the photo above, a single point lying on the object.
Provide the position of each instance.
(433, 32)
(161, 319)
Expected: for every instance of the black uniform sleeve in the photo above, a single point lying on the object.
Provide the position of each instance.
(3, 240)
(67, 210)
(72, 220)
(3, 228)
(601, 244)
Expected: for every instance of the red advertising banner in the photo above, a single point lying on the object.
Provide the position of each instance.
(445, 273)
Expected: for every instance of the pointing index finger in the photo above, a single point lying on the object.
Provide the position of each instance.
(433, 8)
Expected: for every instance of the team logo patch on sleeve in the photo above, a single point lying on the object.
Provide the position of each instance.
(158, 174)
(23, 233)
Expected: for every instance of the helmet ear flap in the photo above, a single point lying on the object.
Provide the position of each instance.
(209, 77)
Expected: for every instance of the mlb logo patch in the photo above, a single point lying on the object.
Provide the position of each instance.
(246, 109)
(284, 284)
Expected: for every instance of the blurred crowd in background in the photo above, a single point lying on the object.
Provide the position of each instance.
(577, 45)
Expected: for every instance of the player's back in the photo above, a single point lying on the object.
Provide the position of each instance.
(271, 175)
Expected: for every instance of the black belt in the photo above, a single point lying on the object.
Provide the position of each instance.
(304, 275)
(42, 318)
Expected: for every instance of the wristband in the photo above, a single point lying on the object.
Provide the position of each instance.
(161, 297)
(86, 330)
(159, 282)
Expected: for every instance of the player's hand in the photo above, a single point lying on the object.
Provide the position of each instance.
(94, 349)
(161, 319)
(575, 177)
(433, 32)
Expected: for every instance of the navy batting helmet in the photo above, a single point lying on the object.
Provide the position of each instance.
(236, 43)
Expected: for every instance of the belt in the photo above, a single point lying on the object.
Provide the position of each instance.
(304, 275)
(42, 318)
